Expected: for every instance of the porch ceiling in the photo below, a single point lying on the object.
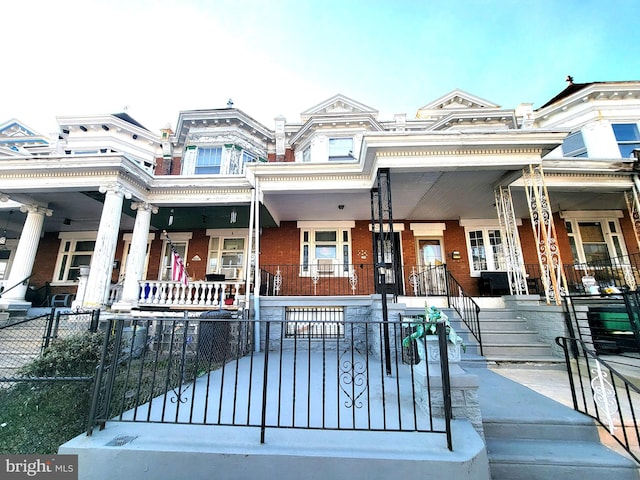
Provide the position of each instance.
(432, 196)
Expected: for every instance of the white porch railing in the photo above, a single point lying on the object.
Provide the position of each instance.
(196, 293)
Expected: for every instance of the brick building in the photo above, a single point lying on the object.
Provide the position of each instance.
(339, 202)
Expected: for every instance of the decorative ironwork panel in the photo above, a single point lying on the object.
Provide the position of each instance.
(353, 374)
(513, 253)
(544, 230)
(633, 205)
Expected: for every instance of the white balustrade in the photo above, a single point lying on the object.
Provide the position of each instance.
(200, 293)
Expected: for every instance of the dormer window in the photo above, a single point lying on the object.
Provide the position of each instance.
(340, 149)
(208, 161)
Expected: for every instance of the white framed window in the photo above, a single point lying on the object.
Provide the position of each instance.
(208, 161)
(306, 154)
(227, 253)
(325, 248)
(6, 258)
(485, 247)
(595, 237)
(76, 250)
(340, 149)
(574, 146)
(628, 138)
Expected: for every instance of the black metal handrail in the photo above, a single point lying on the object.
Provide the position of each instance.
(466, 307)
(21, 282)
(600, 391)
(208, 372)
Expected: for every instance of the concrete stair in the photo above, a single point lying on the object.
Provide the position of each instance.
(531, 437)
(507, 338)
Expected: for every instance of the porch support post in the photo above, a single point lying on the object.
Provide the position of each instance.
(513, 255)
(633, 205)
(256, 275)
(137, 255)
(544, 231)
(25, 256)
(99, 280)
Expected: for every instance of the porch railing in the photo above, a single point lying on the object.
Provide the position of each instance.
(466, 307)
(196, 293)
(621, 272)
(600, 391)
(207, 371)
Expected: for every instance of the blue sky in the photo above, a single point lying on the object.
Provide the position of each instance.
(76, 57)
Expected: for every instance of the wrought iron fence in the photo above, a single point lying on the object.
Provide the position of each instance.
(169, 371)
(622, 273)
(600, 391)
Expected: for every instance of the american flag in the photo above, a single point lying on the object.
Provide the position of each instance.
(178, 271)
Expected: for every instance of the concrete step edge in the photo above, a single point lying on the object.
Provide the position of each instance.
(573, 453)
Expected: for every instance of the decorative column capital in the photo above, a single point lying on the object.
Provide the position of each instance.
(36, 209)
(144, 206)
(115, 188)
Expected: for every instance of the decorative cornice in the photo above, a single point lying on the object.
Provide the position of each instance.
(454, 152)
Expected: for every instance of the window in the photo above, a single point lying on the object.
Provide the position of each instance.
(306, 155)
(73, 254)
(325, 250)
(628, 138)
(226, 257)
(594, 240)
(485, 246)
(573, 145)
(208, 161)
(5, 255)
(340, 149)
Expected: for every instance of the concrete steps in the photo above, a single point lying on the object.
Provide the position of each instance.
(531, 437)
(508, 338)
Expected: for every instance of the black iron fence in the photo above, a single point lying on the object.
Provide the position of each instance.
(268, 374)
(599, 390)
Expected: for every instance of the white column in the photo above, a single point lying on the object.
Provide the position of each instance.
(137, 255)
(25, 253)
(99, 280)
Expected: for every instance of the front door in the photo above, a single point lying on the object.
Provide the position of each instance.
(431, 279)
(389, 254)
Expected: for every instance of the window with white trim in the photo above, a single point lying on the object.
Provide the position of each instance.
(595, 240)
(208, 161)
(325, 251)
(76, 250)
(574, 146)
(486, 252)
(226, 257)
(628, 138)
(340, 149)
(127, 250)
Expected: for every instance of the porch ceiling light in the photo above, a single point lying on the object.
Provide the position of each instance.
(3, 238)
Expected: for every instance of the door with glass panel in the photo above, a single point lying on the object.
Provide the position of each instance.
(431, 274)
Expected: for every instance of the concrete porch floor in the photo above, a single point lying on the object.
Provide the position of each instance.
(176, 451)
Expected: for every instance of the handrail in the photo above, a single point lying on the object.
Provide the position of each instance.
(21, 282)
(605, 393)
(466, 307)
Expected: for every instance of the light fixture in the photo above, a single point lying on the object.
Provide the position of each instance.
(196, 258)
(340, 207)
(234, 215)
(67, 221)
(455, 255)
(170, 221)
(3, 238)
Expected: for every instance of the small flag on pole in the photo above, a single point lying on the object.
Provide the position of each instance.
(178, 271)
